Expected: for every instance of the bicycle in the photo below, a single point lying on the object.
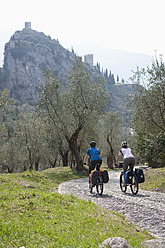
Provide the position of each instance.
(100, 177)
(133, 183)
(98, 186)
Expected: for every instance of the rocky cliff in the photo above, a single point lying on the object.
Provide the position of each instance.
(26, 56)
(29, 53)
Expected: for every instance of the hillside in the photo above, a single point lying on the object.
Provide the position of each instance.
(118, 101)
(29, 53)
(33, 214)
(120, 62)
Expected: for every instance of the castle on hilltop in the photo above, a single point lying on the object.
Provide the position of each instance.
(88, 59)
(28, 25)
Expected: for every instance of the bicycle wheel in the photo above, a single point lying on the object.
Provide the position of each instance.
(93, 189)
(99, 185)
(134, 186)
(122, 185)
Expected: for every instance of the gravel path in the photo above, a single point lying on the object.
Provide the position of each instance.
(147, 209)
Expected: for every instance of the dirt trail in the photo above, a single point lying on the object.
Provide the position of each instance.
(147, 209)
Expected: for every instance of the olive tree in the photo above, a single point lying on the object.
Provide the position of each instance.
(56, 149)
(110, 136)
(8, 144)
(70, 109)
(149, 111)
(5, 100)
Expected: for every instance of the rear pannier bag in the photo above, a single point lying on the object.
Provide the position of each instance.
(128, 176)
(121, 164)
(140, 175)
(105, 176)
(94, 176)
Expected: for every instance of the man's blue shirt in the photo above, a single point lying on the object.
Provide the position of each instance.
(94, 153)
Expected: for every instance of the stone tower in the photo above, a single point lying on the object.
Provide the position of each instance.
(28, 25)
(88, 59)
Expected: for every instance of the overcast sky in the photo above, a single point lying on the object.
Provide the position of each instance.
(128, 25)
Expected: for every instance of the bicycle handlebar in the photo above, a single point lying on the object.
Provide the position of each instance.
(86, 164)
(119, 165)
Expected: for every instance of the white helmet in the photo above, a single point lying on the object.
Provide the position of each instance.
(124, 144)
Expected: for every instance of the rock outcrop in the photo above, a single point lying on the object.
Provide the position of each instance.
(27, 55)
(116, 242)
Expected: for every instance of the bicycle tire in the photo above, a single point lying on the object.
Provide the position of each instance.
(134, 186)
(93, 189)
(99, 186)
(123, 186)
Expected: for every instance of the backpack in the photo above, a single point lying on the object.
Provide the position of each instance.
(140, 175)
(128, 176)
(94, 176)
(105, 176)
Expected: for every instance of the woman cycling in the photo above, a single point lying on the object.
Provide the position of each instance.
(129, 159)
(94, 154)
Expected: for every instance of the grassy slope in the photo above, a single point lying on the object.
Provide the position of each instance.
(154, 180)
(33, 214)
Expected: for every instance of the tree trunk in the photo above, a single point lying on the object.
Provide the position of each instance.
(110, 161)
(76, 155)
(52, 163)
(30, 153)
(75, 149)
(37, 161)
(65, 159)
(64, 156)
(111, 151)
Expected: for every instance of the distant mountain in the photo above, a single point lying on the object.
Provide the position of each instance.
(28, 53)
(121, 63)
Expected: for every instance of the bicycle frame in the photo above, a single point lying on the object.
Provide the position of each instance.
(99, 184)
(134, 186)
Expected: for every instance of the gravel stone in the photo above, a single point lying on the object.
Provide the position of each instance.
(146, 209)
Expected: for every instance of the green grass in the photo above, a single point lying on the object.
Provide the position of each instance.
(33, 214)
(154, 180)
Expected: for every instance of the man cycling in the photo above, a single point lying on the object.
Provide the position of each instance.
(94, 154)
(129, 159)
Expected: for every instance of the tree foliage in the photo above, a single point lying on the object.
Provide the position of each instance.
(149, 111)
(70, 109)
(5, 100)
(110, 135)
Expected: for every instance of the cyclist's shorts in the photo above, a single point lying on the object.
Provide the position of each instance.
(129, 162)
(93, 165)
